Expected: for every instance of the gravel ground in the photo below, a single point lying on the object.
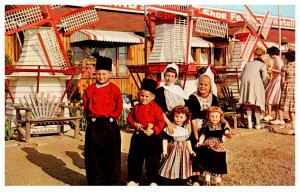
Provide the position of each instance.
(255, 158)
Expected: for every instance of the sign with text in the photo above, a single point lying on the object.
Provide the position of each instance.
(233, 16)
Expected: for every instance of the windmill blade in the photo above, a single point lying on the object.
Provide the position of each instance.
(249, 47)
(52, 49)
(79, 19)
(22, 18)
(180, 38)
(250, 19)
(265, 27)
(211, 27)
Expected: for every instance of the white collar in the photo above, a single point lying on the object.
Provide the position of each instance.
(177, 90)
(98, 85)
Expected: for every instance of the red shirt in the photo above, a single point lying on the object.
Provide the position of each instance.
(104, 101)
(144, 114)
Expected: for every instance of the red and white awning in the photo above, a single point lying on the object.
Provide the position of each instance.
(199, 42)
(107, 36)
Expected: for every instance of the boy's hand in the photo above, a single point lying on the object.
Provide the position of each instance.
(148, 132)
(138, 126)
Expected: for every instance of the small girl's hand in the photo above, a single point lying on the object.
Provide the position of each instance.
(228, 134)
(193, 153)
(198, 144)
(164, 155)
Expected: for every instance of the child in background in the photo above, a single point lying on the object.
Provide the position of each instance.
(211, 148)
(147, 119)
(177, 148)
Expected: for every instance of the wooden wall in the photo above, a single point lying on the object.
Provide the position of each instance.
(126, 84)
(12, 48)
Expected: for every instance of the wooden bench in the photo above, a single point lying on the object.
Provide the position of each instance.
(228, 103)
(43, 111)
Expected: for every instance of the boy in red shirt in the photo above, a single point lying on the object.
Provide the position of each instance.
(147, 119)
(103, 105)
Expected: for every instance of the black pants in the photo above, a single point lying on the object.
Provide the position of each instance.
(145, 148)
(102, 152)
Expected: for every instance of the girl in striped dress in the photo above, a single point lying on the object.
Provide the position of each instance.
(176, 165)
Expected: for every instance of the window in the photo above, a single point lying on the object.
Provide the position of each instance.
(117, 54)
(193, 53)
(220, 56)
(78, 53)
(122, 61)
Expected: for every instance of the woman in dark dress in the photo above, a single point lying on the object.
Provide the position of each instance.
(170, 95)
(198, 104)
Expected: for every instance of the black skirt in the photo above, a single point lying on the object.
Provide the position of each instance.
(211, 160)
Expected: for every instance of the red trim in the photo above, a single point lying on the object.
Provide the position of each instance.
(64, 71)
(187, 49)
(45, 52)
(263, 23)
(168, 9)
(38, 80)
(251, 13)
(68, 85)
(247, 41)
(89, 35)
(254, 33)
(140, 38)
(9, 91)
(76, 11)
(78, 29)
(248, 24)
(252, 51)
(62, 48)
(262, 26)
(19, 8)
(198, 14)
(77, 83)
(27, 27)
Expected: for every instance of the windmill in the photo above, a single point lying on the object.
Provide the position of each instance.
(48, 44)
(243, 51)
(44, 66)
(172, 42)
(258, 33)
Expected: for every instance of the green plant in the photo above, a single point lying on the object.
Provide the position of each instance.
(76, 97)
(122, 122)
(83, 121)
(71, 57)
(9, 131)
(7, 60)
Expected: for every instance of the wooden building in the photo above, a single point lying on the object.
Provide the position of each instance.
(120, 35)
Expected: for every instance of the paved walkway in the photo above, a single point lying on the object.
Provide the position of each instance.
(44, 140)
(49, 151)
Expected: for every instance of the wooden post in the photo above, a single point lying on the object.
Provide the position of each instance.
(235, 121)
(77, 124)
(19, 125)
(27, 130)
(61, 127)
